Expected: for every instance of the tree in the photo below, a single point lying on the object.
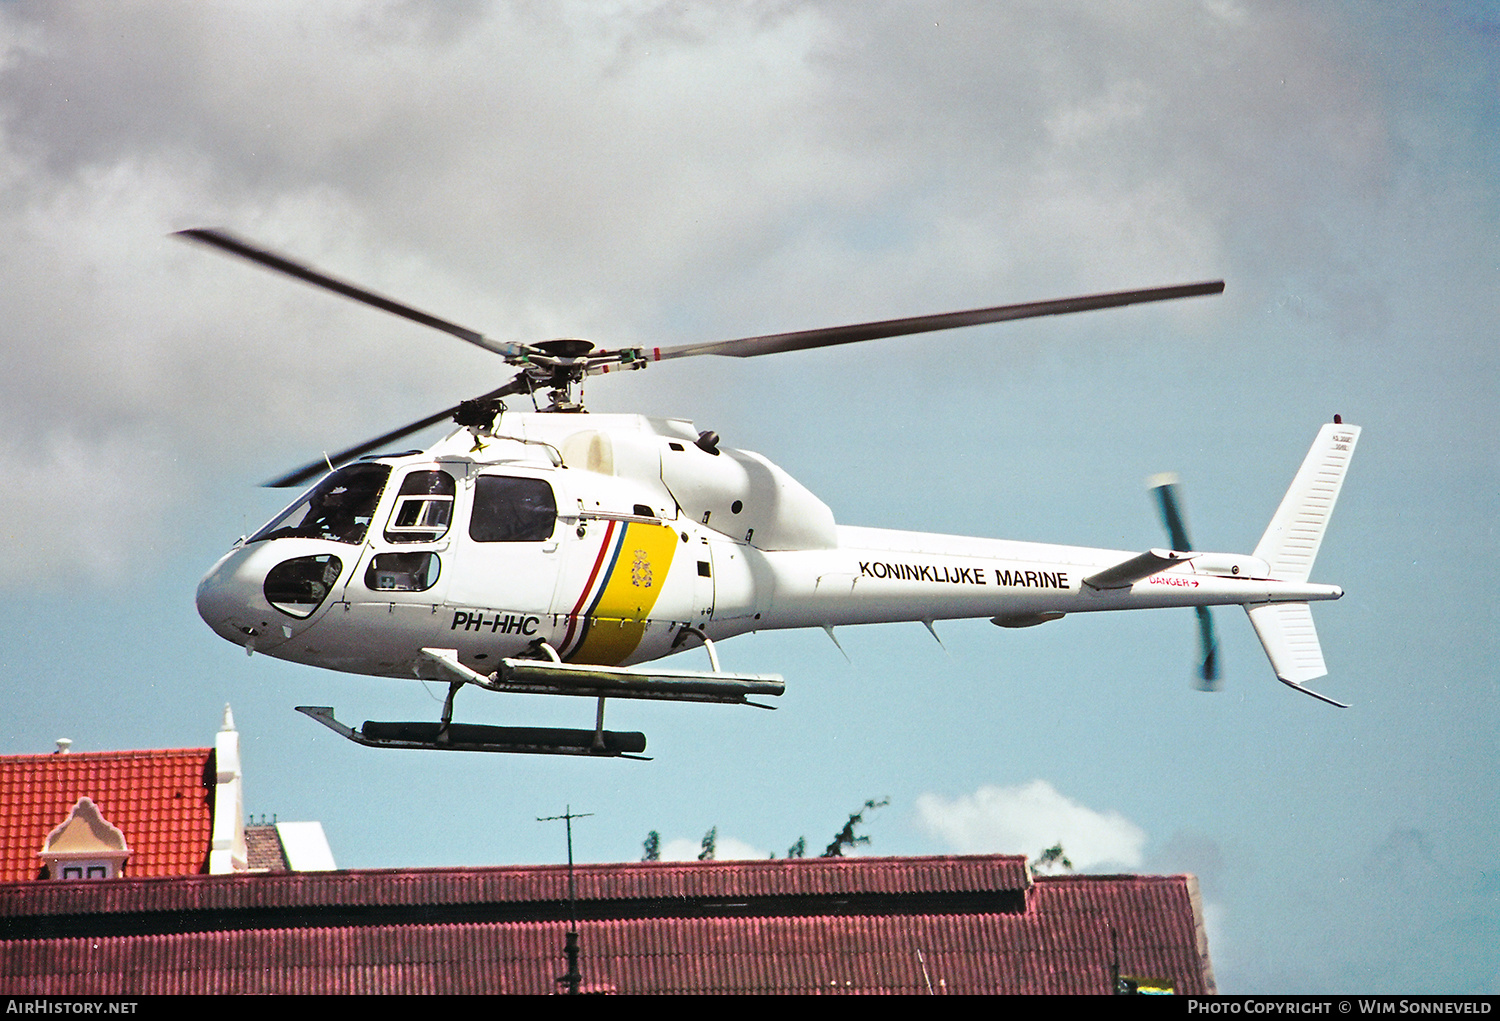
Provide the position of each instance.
(652, 847)
(799, 849)
(846, 837)
(709, 840)
(1052, 857)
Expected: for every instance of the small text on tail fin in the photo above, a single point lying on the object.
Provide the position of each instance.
(1290, 544)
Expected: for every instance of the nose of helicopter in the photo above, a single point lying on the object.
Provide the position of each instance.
(228, 596)
(234, 597)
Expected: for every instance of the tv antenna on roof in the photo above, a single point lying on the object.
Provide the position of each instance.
(570, 946)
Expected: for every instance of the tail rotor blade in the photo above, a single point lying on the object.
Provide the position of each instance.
(1165, 488)
(1208, 646)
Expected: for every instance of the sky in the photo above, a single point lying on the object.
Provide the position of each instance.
(665, 173)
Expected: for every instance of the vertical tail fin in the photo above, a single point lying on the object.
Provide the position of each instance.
(1291, 542)
(1290, 546)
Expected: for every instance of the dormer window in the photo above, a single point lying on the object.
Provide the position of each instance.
(95, 871)
(84, 846)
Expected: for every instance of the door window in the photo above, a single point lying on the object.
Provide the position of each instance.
(510, 509)
(402, 572)
(424, 508)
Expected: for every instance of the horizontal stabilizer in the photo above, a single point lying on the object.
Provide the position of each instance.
(1128, 572)
(1291, 642)
(1291, 542)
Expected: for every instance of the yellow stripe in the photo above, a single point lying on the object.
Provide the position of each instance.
(619, 618)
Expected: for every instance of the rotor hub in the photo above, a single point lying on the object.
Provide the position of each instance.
(565, 347)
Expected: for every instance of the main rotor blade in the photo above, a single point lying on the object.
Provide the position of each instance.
(747, 347)
(227, 242)
(315, 468)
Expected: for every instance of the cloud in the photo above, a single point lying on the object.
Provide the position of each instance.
(1028, 818)
(1190, 851)
(1202, 856)
(120, 491)
(725, 849)
(632, 172)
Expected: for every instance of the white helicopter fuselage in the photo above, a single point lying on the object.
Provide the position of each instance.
(557, 552)
(616, 539)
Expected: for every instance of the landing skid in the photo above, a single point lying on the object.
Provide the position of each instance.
(551, 676)
(474, 737)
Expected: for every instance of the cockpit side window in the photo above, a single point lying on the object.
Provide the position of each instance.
(512, 510)
(338, 508)
(424, 508)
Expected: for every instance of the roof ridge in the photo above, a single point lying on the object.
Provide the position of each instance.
(32, 757)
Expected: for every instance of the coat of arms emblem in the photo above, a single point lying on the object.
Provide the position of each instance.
(640, 570)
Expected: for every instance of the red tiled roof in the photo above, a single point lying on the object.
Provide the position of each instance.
(955, 925)
(158, 799)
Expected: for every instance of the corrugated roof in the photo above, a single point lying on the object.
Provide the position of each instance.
(156, 798)
(658, 882)
(1061, 939)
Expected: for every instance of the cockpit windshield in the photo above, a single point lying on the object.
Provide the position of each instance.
(338, 508)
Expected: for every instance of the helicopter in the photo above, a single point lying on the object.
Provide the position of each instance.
(556, 551)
